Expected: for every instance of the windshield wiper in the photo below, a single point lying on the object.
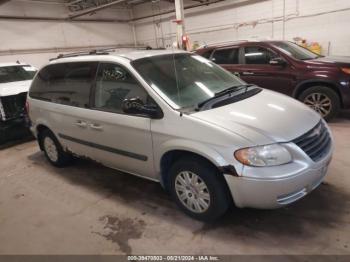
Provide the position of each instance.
(232, 89)
(223, 92)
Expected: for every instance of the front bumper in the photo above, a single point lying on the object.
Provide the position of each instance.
(274, 187)
(344, 88)
(14, 129)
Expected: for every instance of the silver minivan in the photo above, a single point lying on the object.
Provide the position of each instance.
(176, 118)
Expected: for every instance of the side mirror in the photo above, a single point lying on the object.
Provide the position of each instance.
(135, 106)
(278, 61)
(237, 74)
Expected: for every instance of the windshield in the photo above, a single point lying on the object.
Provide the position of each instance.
(184, 80)
(16, 73)
(296, 51)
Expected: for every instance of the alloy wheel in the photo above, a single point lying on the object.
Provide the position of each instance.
(320, 102)
(192, 191)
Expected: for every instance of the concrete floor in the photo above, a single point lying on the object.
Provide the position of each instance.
(89, 209)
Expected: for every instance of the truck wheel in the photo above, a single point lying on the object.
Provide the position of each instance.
(53, 150)
(323, 100)
(199, 189)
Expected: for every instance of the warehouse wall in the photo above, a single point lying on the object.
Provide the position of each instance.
(323, 21)
(36, 41)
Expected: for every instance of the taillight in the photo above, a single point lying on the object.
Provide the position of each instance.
(27, 107)
(346, 70)
(26, 115)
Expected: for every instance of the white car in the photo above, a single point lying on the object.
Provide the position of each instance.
(15, 80)
(180, 119)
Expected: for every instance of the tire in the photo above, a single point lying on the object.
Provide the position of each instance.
(215, 194)
(314, 96)
(53, 150)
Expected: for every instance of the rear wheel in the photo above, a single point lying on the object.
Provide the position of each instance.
(199, 189)
(323, 100)
(53, 149)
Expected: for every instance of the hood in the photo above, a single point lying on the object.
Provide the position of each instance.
(265, 118)
(14, 88)
(335, 59)
(330, 61)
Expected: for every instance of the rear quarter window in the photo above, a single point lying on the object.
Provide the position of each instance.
(65, 83)
(226, 56)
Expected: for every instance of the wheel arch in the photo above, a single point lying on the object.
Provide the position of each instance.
(169, 155)
(40, 128)
(172, 156)
(301, 87)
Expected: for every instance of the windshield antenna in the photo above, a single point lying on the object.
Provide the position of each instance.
(176, 78)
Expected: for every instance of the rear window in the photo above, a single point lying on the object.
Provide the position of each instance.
(16, 73)
(207, 54)
(226, 56)
(66, 83)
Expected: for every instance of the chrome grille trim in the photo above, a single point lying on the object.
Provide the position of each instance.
(12, 106)
(316, 143)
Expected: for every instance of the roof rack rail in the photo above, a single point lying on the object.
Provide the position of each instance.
(104, 51)
(147, 47)
(225, 43)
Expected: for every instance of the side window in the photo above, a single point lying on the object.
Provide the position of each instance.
(257, 55)
(226, 56)
(113, 85)
(40, 86)
(78, 80)
(65, 83)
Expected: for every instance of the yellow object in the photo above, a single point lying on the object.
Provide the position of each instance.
(316, 48)
(195, 45)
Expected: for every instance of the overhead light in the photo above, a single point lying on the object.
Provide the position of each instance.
(254, 54)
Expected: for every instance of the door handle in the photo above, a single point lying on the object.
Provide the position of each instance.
(81, 123)
(96, 127)
(248, 73)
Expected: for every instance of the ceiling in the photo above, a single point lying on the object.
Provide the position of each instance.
(76, 5)
(80, 8)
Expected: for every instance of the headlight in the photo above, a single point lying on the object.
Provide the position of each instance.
(346, 70)
(269, 155)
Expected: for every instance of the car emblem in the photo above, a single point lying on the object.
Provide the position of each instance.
(316, 131)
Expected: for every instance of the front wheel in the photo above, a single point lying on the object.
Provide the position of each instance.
(199, 189)
(323, 100)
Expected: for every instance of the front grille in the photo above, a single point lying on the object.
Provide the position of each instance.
(12, 106)
(316, 143)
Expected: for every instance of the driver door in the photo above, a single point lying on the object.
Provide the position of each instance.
(258, 70)
(117, 139)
